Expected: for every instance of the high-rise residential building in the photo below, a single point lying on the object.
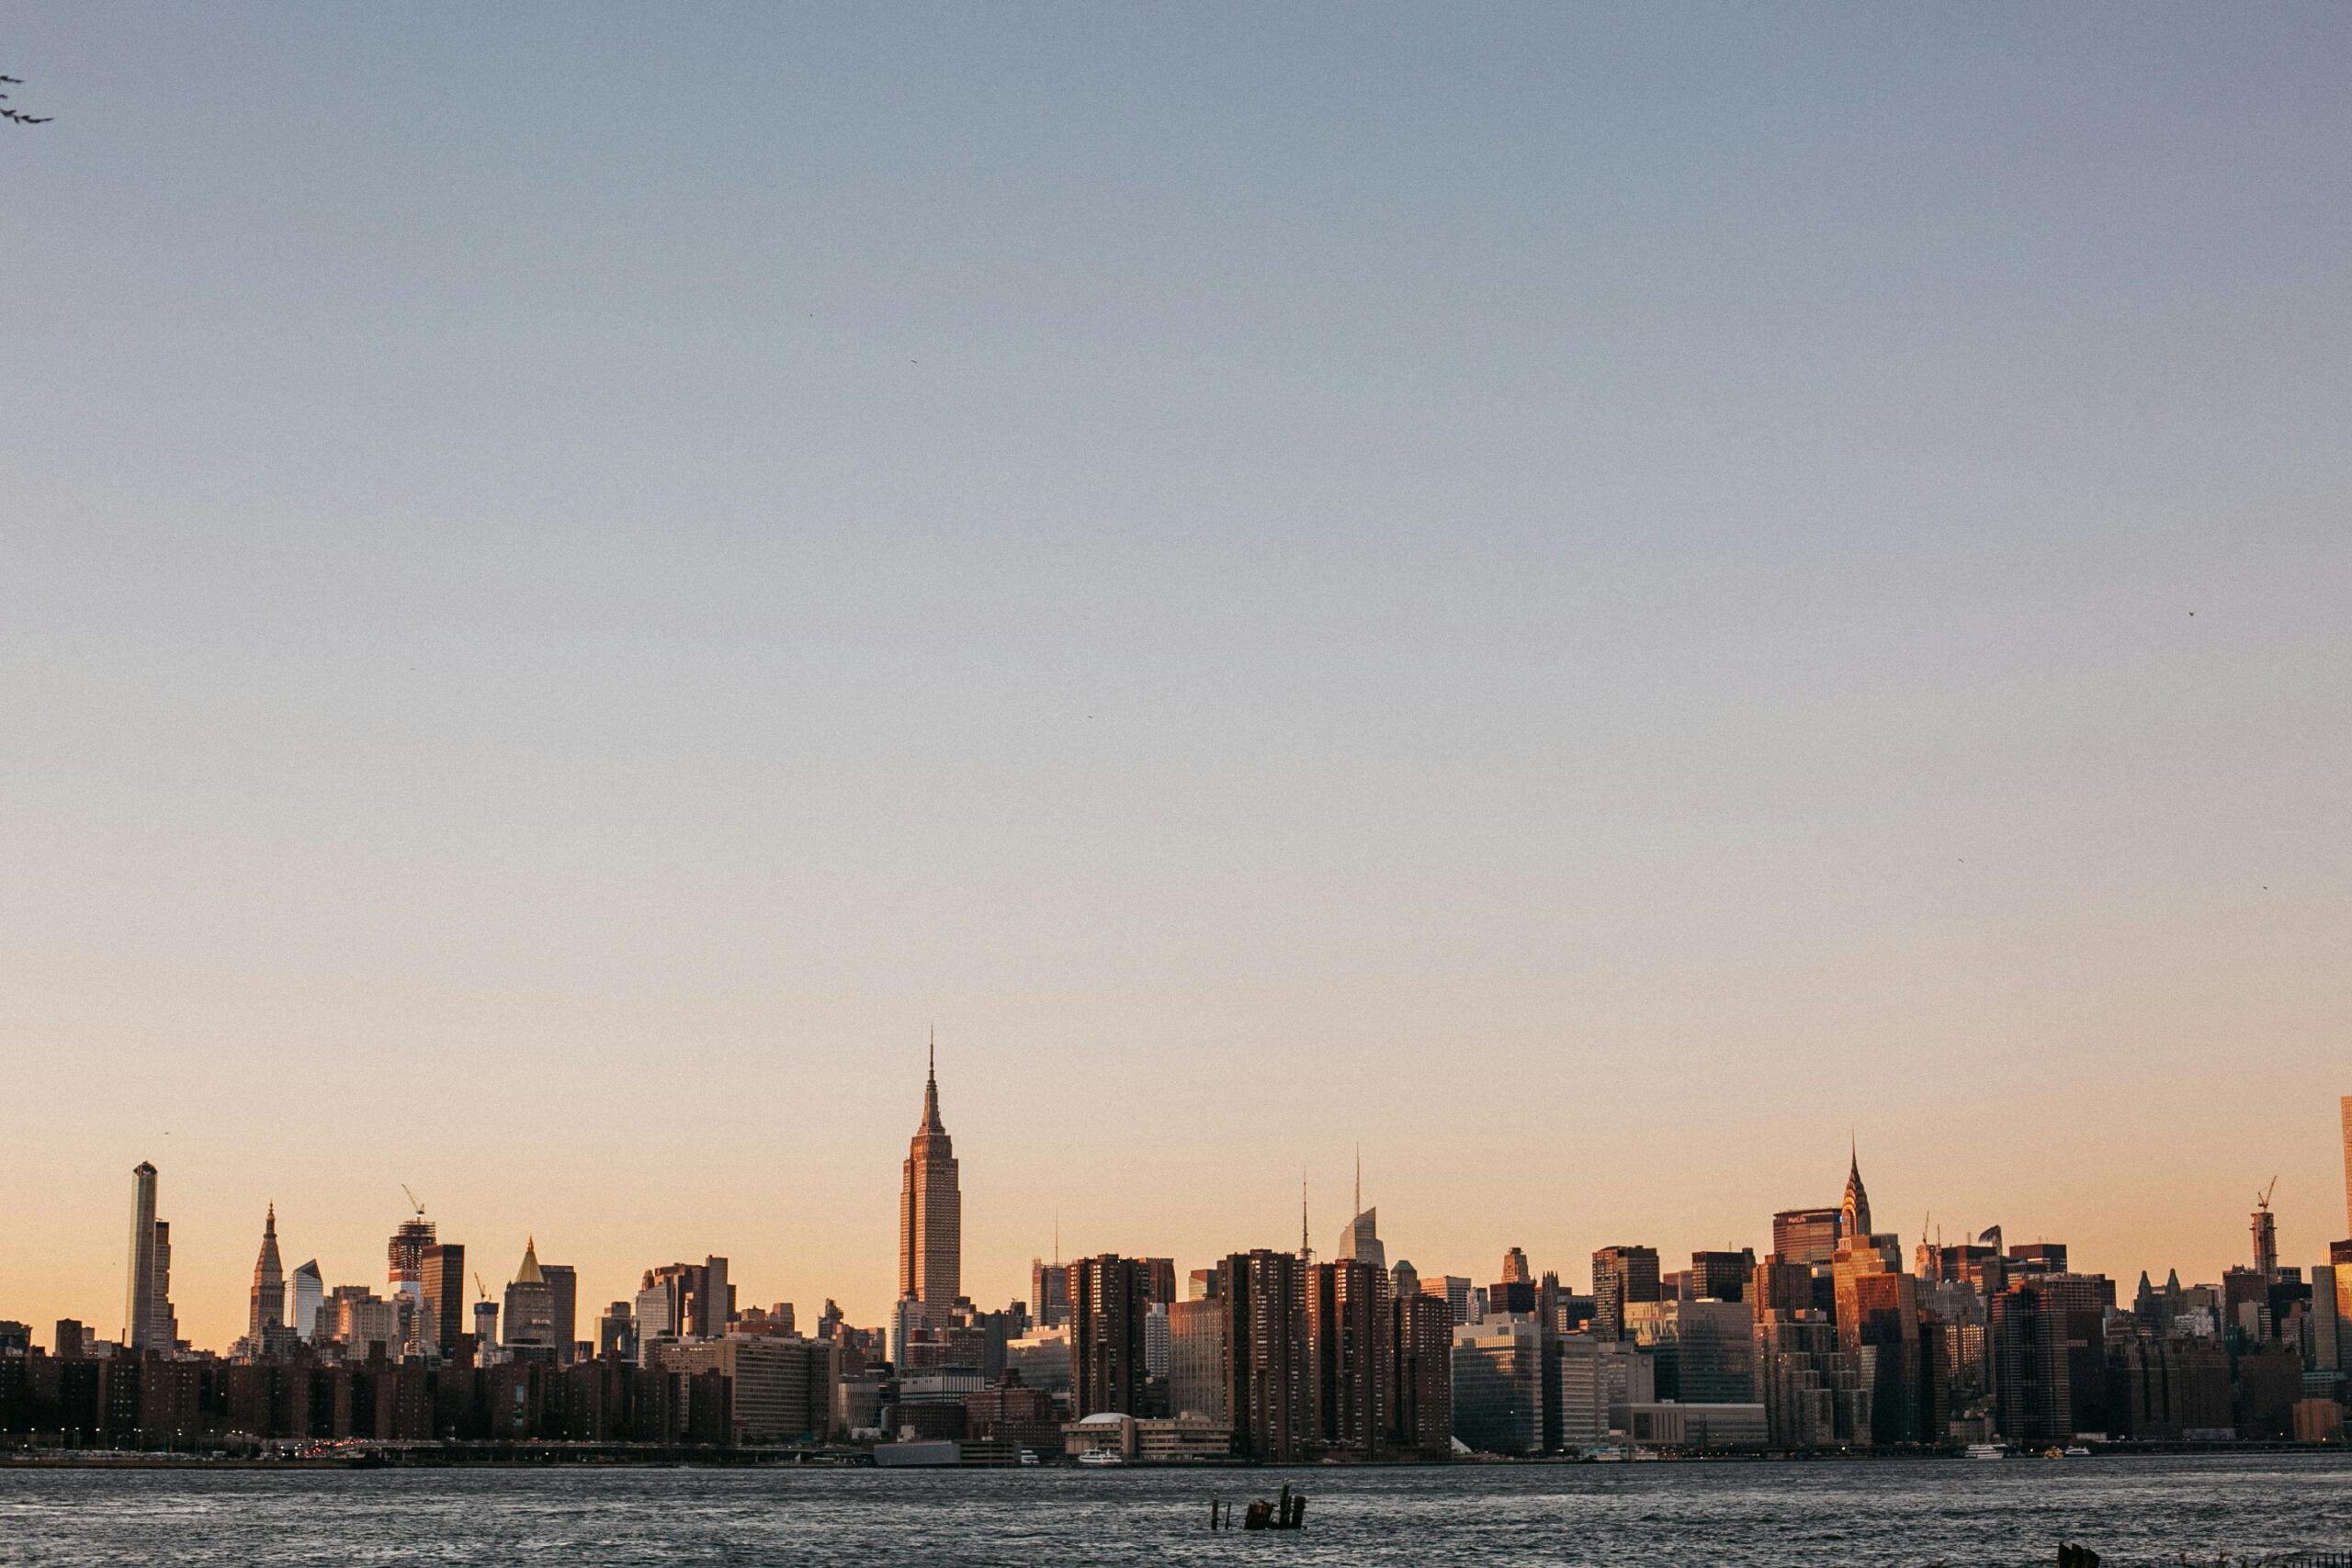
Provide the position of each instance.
(310, 1292)
(1109, 1298)
(2031, 1384)
(931, 1213)
(1197, 1353)
(1350, 1340)
(147, 1319)
(266, 1309)
(1805, 1235)
(1458, 1291)
(1420, 1360)
(2265, 1228)
(1266, 1374)
(1156, 1340)
(405, 1258)
(1404, 1279)
(1620, 1276)
(1049, 1292)
(167, 1321)
(441, 1315)
(1162, 1274)
(485, 1323)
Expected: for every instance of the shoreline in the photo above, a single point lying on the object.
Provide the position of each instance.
(805, 1460)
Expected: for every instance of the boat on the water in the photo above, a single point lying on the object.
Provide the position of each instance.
(1987, 1450)
(1099, 1457)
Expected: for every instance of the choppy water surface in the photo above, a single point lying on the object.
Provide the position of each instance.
(2133, 1510)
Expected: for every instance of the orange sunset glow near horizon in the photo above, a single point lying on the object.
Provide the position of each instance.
(1602, 609)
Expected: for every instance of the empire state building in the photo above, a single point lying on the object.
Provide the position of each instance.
(931, 1213)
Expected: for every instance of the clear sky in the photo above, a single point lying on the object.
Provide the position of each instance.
(1592, 597)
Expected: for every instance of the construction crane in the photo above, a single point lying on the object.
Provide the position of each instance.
(2263, 1203)
(479, 1286)
(414, 1201)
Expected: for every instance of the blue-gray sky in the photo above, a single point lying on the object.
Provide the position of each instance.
(1590, 596)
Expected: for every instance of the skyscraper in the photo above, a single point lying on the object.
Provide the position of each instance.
(1108, 1298)
(1805, 1235)
(147, 1320)
(1854, 1213)
(1620, 1276)
(2346, 1109)
(1350, 1343)
(267, 1308)
(1196, 1352)
(442, 1312)
(1048, 1292)
(404, 1271)
(563, 1308)
(530, 1308)
(1267, 1381)
(1361, 1240)
(1420, 1362)
(931, 1213)
(309, 1291)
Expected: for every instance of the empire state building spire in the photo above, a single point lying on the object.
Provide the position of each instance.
(931, 1209)
(930, 1122)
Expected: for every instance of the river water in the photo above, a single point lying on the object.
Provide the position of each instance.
(2134, 1511)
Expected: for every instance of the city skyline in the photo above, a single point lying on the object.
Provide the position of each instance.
(413, 1243)
(1657, 592)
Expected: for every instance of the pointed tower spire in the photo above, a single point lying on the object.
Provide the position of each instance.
(930, 1122)
(1359, 1178)
(529, 1273)
(1854, 1214)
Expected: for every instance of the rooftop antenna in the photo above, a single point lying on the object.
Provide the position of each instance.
(1305, 1250)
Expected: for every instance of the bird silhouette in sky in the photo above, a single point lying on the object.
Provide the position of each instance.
(19, 115)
